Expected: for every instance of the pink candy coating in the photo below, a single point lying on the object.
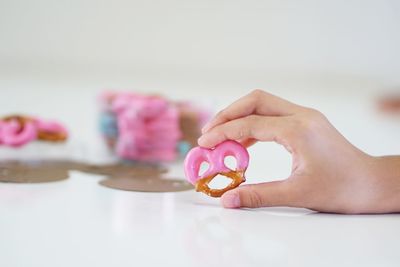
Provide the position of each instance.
(11, 133)
(215, 158)
(50, 126)
(148, 127)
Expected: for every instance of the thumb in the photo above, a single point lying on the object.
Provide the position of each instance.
(267, 194)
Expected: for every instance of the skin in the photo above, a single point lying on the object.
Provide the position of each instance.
(329, 174)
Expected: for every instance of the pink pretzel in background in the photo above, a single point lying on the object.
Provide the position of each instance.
(215, 158)
(148, 127)
(19, 130)
(11, 133)
(50, 126)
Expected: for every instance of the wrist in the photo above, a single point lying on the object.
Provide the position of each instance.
(385, 184)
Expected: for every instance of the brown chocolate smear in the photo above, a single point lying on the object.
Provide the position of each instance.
(34, 171)
(123, 169)
(123, 176)
(190, 126)
(147, 184)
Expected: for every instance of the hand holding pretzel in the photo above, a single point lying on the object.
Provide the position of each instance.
(329, 174)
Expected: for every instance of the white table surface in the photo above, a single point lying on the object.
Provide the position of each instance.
(77, 222)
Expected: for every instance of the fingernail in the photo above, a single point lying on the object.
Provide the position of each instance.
(200, 140)
(231, 200)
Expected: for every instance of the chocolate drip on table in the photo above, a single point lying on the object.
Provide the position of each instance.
(123, 176)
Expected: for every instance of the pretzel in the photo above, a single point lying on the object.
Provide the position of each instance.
(51, 131)
(215, 158)
(51, 137)
(22, 120)
(17, 130)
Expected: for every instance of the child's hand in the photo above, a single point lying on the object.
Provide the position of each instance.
(328, 174)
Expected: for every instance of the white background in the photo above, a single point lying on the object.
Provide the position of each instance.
(301, 41)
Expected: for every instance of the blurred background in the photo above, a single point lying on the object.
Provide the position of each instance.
(235, 42)
(337, 56)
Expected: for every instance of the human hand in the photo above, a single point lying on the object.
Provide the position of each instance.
(329, 174)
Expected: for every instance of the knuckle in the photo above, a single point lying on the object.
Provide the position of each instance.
(251, 125)
(250, 120)
(220, 131)
(314, 114)
(290, 128)
(236, 135)
(311, 120)
(233, 130)
(252, 198)
(305, 123)
(222, 113)
(257, 94)
(244, 128)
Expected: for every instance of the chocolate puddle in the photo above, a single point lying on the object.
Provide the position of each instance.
(147, 184)
(34, 171)
(123, 176)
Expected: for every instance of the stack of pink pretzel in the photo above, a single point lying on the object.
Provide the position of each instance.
(148, 126)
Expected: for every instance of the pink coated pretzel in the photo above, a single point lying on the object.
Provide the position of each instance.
(148, 127)
(50, 130)
(215, 158)
(11, 133)
(17, 130)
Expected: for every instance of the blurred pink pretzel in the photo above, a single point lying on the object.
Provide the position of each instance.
(148, 127)
(18, 130)
(215, 158)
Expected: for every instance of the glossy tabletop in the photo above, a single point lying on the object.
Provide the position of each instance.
(77, 222)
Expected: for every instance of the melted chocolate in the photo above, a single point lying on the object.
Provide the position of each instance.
(123, 176)
(147, 184)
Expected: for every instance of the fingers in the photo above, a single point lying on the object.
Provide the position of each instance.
(247, 142)
(251, 127)
(257, 102)
(270, 194)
